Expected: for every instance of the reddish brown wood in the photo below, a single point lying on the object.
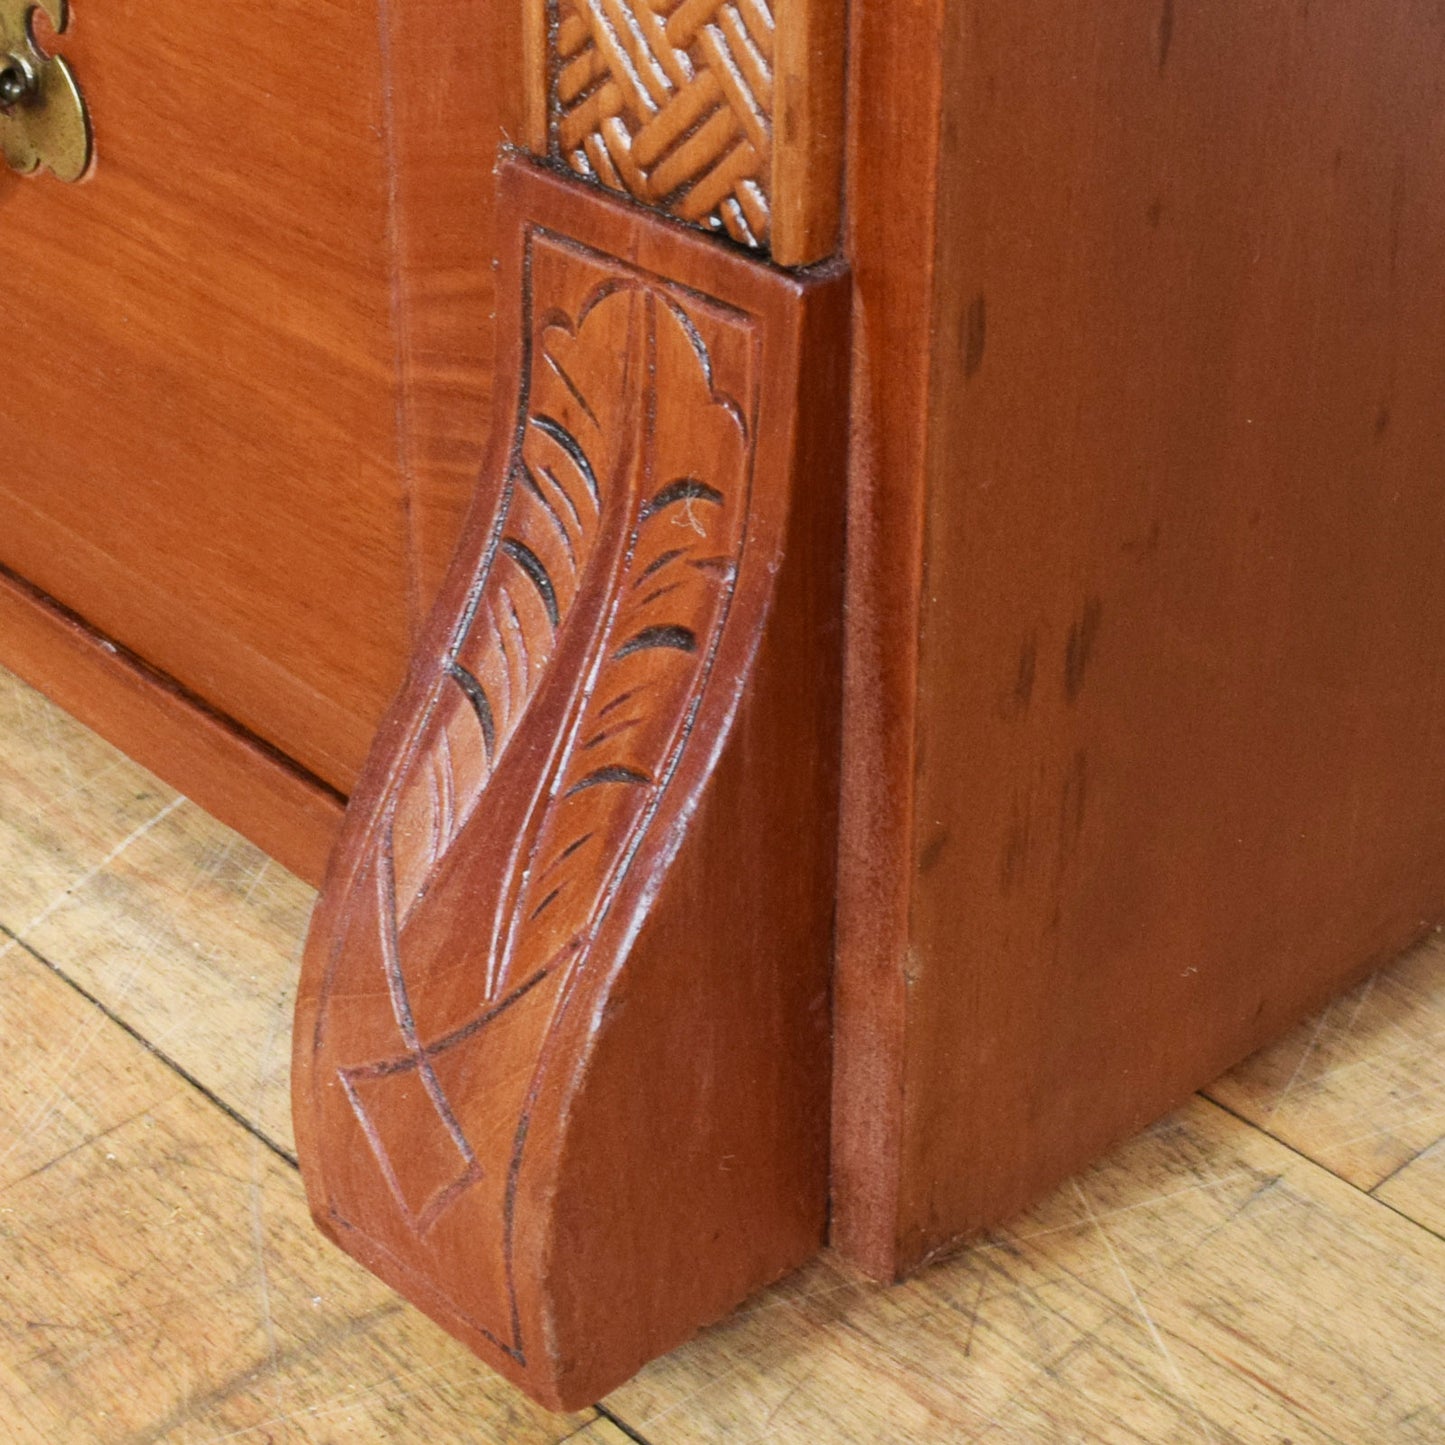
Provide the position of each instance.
(726, 113)
(561, 1046)
(257, 348)
(452, 78)
(292, 815)
(1147, 596)
(892, 152)
(1148, 604)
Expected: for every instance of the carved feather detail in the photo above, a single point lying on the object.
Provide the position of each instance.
(552, 524)
(559, 711)
(623, 513)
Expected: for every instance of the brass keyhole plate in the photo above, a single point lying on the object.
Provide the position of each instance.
(43, 120)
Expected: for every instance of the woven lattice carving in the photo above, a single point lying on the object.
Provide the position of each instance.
(671, 101)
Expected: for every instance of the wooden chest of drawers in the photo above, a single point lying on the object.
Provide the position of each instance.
(1107, 743)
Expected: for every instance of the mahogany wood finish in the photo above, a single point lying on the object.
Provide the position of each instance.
(292, 814)
(248, 359)
(1146, 705)
(561, 1069)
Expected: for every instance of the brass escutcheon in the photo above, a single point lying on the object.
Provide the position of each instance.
(43, 120)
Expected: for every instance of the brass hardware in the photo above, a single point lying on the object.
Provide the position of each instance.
(43, 121)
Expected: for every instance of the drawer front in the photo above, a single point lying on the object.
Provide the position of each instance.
(205, 433)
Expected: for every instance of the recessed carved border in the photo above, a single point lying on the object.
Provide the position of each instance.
(558, 837)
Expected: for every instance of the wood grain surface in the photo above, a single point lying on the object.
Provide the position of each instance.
(1417, 1189)
(1205, 1283)
(1360, 1087)
(1147, 756)
(257, 349)
(1146, 732)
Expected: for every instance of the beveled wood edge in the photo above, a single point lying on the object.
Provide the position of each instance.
(807, 168)
(889, 464)
(234, 775)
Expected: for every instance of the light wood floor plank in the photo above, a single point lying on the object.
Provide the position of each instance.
(193, 936)
(1359, 1088)
(1202, 1284)
(162, 1281)
(600, 1432)
(67, 801)
(1418, 1191)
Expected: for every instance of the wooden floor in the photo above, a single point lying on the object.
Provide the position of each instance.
(1266, 1265)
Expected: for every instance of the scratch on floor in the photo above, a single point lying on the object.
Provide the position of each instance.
(263, 1278)
(1364, 998)
(75, 1048)
(85, 1143)
(1165, 1353)
(1397, 1127)
(712, 1383)
(256, 881)
(789, 1296)
(1022, 1235)
(258, 1228)
(344, 1402)
(134, 836)
(1304, 1057)
(80, 787)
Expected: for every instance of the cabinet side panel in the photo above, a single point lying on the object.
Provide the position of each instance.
(1181, 729)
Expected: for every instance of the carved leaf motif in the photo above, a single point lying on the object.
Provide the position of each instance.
(666, 541)
(650, 655)
(551, 528)
(561, 708)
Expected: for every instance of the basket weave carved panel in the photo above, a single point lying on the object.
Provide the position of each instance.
(671, 101)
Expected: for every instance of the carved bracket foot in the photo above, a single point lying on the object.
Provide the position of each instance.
(561, 1071)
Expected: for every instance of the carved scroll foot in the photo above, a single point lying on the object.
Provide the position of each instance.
(561, 1070)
